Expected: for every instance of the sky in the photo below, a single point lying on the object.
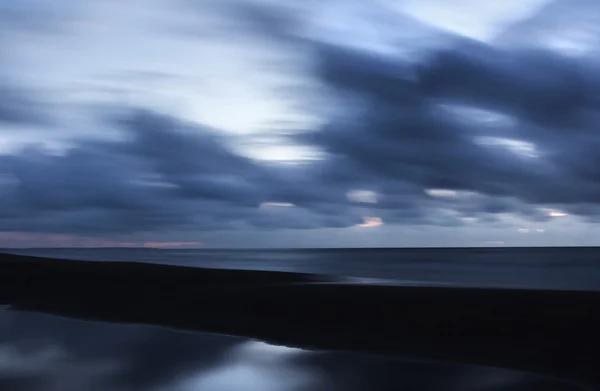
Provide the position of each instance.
(258, 123)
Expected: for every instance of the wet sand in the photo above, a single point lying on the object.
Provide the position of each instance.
(540, 331)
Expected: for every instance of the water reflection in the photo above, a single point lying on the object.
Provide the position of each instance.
(256, 366)
(47, 353)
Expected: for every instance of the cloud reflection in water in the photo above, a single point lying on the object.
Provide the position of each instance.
(46, 353)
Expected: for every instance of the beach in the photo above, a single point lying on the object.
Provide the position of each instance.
(499, 327)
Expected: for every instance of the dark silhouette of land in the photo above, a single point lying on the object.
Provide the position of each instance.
(552, 333)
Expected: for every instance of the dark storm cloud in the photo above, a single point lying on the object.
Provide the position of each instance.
(197, 163)
(163, 173)
(554, 101)
(390, 128)
(395, 128)
(397, 133)
(139, 183)
(545, 88)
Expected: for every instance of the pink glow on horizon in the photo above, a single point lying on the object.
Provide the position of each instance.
(24, 239)
(171, 244)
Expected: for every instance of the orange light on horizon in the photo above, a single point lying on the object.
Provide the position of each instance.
(370, 222)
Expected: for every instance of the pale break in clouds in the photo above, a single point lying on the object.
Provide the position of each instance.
(334, 123)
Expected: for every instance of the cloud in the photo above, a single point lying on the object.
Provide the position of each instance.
(36, 15)
(163, 173)
(395, 128)
(19, 106)
(551, 98)
(501, 130)
(20, 21)
(569, 27)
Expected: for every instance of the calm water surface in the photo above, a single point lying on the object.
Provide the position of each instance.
(555, 268)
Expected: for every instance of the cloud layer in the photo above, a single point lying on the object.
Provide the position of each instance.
(452, 132)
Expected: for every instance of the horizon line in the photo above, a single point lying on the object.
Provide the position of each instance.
(292, 248)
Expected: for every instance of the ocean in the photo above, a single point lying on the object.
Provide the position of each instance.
(539, 268)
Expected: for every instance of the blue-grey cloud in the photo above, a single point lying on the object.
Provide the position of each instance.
(20, 106)
(396, 128)
(37, 16)
(164, 173)
(394, 125)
